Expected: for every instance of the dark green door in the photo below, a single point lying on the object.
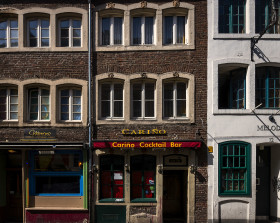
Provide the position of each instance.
(263, 181)
(110, 214)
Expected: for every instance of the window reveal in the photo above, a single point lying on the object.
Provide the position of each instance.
(112, 31)
(234, 168)
(112, 100)
(143, 100)
(143, 173)
(38, 33)
(111, 176)
(232, 16)
(143, 30)
(39, 104)
(70, 33)
(268, 87)
(175, 30)
(8, 104)
(70, 102)
(175, 99)
(9, 33)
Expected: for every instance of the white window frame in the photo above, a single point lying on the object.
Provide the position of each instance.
(70, 30)
(174, 30)
(143, 100)
(39, 104)
(70, 118)
(8, 104)
(111, 30)
(174, 100)
(8, 33)
(39, 32)
(143, 19)
(111, 117)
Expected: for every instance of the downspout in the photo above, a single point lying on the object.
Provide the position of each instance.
(89, 115)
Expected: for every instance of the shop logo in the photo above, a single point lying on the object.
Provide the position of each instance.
(43, 134)
(144, 132)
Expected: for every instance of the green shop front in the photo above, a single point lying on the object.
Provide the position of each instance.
(144, 181)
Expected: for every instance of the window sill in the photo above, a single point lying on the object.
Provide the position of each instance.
(244, 36)
(144, 200)
(236, 194)
(43, 49)
(245, 111)
(112, 200)
(145, 47)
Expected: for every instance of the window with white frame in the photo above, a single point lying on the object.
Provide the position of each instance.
(112, 30)
(70, 31)
(175, 99)
(8, 33)
(111, 95)
(142, 30)
(70, 104)
(8, 104)
(143, 100)
(174, 29)
(39, 104)
(38, 32)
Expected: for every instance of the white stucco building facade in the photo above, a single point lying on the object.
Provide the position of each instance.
(243, 113)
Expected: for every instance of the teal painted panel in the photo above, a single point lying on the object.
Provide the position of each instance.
(110, 214)
(3, 159)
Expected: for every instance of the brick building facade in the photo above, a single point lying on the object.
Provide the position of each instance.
(128, 135)
(43, 129)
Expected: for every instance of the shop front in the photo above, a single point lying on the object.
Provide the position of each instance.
(144, 181)
(43, 180)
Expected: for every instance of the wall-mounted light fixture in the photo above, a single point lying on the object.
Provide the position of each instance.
(160, 169)
(193, 169)
(95, 169)
(126, 168)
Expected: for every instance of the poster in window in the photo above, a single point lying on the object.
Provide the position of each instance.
(118, 191)
(149, 177)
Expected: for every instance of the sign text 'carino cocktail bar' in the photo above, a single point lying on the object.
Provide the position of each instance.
(146, 144)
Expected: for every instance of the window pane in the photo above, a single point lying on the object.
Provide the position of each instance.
(64, 116)
(168, 109)
(64, 33)
(14, 115)
(76, 23)
(118, 30)
(45, 23)
(181, 91)
(77, 108)
(33, 24)
(76, 42)
(45, 33)
(14, 24)
(76, 33)
(149, 91)
(168, 91)
(14, 34)
(77, 100)
(105, 109)
(137, 89)
(118, 91)
(168, 29)
(105, 91)
(118, 109)
(64, 108)
(64, 24)
(149, 30)
(180, 29)
(14, 43)
(137, 30)
(137, 109)
(105, 31)
(3, 43)
(64, 42)
(57, 184)
(181, 108)
(77, 93)
(44, 42)
(77, 116)
(3, 34)
(3, 25)
(149, 109)
(14, 108)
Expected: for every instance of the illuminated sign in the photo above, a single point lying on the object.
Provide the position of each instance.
(143, 132)
(118, 144)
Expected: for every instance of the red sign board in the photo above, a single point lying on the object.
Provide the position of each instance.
(163, 144)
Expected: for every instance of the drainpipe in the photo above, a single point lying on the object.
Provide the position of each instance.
(89, 114)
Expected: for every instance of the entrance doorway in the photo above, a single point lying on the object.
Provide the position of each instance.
(263, 183)
(174, 196)
(11, 207)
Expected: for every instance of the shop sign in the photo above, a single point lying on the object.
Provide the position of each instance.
(175, 160)
(144, 144)
(39, 134)
(144, 132)
(268, 128)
